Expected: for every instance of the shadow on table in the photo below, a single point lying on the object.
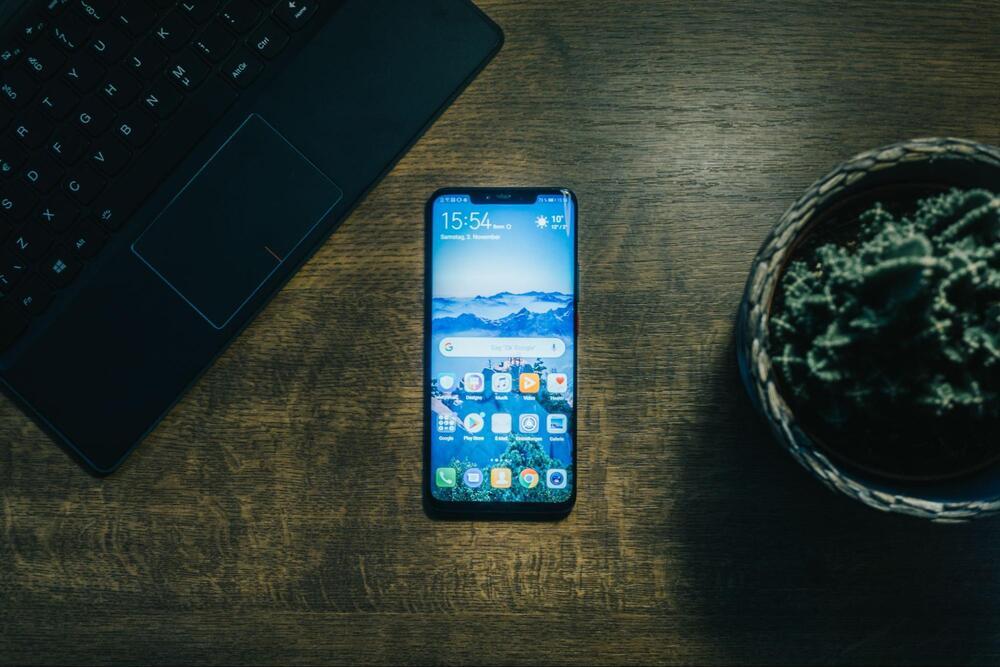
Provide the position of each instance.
(778, 568)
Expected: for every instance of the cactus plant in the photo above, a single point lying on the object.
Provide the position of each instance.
(898, 331)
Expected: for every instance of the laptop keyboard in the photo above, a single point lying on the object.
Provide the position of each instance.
(99, 101)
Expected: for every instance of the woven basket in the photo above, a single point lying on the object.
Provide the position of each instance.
(939, 164)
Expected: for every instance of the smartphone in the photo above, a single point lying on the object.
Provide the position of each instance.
(500, 353)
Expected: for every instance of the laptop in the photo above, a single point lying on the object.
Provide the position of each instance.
(165, 167)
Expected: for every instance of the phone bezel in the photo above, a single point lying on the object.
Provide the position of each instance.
(496, 510)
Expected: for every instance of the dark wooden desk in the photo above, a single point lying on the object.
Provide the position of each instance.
(264, 522)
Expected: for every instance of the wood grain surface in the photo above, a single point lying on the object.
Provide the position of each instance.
(275, 516)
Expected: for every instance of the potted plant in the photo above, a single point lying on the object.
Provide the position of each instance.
(869, 334)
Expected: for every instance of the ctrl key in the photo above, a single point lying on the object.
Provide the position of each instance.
(12, 323)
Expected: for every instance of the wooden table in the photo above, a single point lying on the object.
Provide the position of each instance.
(275, 516)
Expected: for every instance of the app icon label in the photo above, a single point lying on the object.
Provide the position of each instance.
(555, 478)
(529, 478)
(556, 423)
(474, 422)
(528, 383)
(556, 383)
(528, 423)
(445, 478)
(474, 383)
(446, 381)
(502, 383)
(500, 478)
(500, 422)
(473, 478)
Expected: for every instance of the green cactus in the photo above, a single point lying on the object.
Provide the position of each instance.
(899, 328)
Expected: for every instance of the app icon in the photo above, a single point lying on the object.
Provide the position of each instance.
(500, 422)
(528, 423)
(556, 383)
(474, 422)
(529, 478)
(555, 478)
(556, 423)
(528, 383)
(446, 424)
(446, 381)
(445, 478)
(502, 383)
(500, 478)
(474, 382)
(473, 478)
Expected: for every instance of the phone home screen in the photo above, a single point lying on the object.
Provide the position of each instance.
(502, 320)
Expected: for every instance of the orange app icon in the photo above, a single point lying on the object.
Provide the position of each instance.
(500, 478)
(529, 383)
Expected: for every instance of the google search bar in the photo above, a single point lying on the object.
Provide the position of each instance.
(545, 348)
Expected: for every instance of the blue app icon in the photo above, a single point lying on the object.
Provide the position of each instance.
(555, 478)
(473, 478)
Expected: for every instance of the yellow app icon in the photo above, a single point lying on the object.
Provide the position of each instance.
(529, 383)
(500, 478)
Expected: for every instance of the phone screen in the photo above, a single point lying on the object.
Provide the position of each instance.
(502, 347)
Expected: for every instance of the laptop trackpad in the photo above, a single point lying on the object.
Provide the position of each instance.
(236, 221)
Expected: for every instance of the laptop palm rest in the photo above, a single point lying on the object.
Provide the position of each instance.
(236, 221)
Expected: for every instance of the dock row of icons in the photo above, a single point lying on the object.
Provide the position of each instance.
(503, 422)
(500, 478)
(501, 383)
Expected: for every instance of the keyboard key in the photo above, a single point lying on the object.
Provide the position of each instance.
(95, 10)
(43, 60)
(201, 112)
(17, 200)
(54, 7)
(10, 54)
(67, 145)
(108, 156)
(86, 240)
(30, 28)
(188, 70)
(12, 156)
(268, 40)
(242, 68)
(6, 116)
(34, 296)
(12, 324)
(147, 60)
(135, 128)
(83, 186)
(120, 88)
(60, 267)
(109, 44)
(17, 88)
(135, 16)
(199, 11)
(94, 117)
(295, 14)
(70, 31)
(31, 131)
(215, 42)
(162, 98)
(42, 172)
(56, 212)
(31, 242)
(240, 15)
(173, 32)
(12, 270)
(58, 100)
(84, 73)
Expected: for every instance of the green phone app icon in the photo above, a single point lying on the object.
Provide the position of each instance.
(446, 478)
